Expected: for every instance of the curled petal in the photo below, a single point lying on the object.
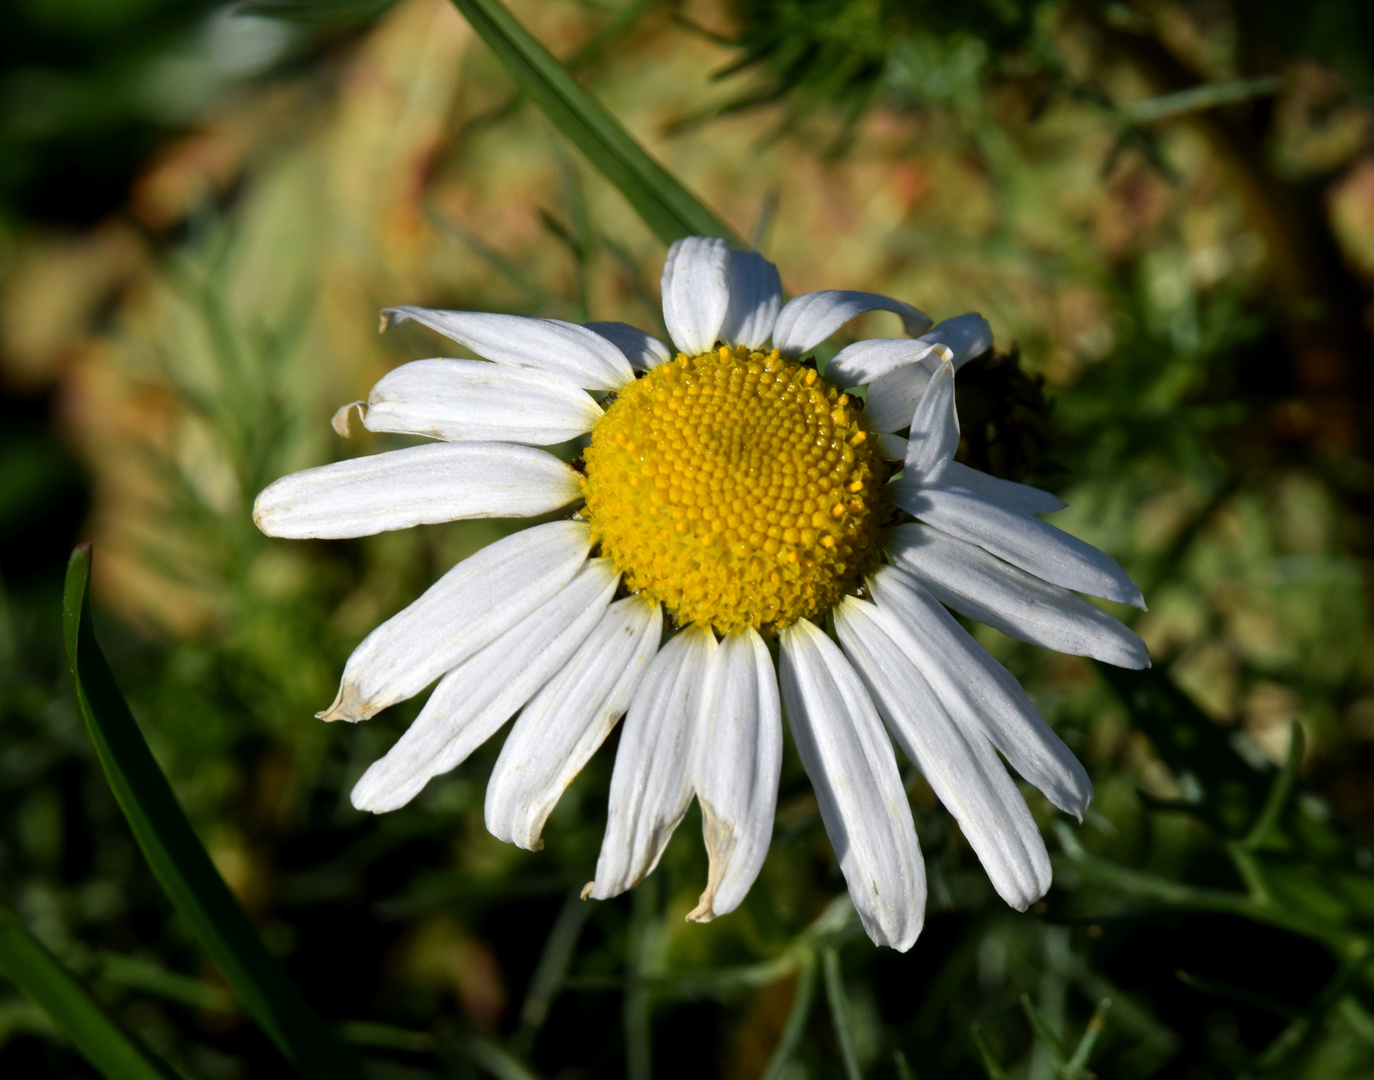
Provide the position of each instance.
(809, 319)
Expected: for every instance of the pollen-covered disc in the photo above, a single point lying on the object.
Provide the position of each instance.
(737, 488)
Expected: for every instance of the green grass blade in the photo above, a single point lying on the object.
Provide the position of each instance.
(101, 1041)
(665, 206)
(176, 856)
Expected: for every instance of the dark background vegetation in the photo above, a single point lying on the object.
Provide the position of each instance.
(1204, 401)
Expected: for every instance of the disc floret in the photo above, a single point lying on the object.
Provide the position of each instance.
(738, 488)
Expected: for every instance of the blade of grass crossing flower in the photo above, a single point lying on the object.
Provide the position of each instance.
(665, 206)
(838, 1001)
(177, 857)
(111, 1050)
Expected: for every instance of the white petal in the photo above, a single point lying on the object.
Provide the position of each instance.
(1023, 541)
(1022, 498)
(978, 692)
(809, 319)
(892, 398)
(934, 430)
(696, 292)
(960, 766)
(415, 486)
(469, 607)
(892, 447)
(579, 355)
(651, 786)
(476, 401)
(850, 761)
(981, 586)
(966, 336)
(735, 772)
(864, 361)
(562, 726)
(755, 299)
(474, 699)
(643, 351)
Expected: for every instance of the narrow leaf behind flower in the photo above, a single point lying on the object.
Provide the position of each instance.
(664, 205)
(101, 1041)
(177, 857)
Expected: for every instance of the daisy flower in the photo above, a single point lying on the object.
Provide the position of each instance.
(728, 494)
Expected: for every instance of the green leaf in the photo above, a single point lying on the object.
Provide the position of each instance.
(176, 856)
(665, 206)
(114, 1053)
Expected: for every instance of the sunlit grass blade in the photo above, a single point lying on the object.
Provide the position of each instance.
(177, 857)
(665, 206)
(101, 1041)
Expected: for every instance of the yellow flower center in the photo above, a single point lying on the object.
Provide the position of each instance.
(736, 488)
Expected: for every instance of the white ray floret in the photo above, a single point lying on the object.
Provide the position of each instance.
(529, 626)
(419, 485)
(565, 723)
(477, 401)
(735, 768)
(469, 607)
(974, 583)
(849, 759)
(651, 786)
(581, 356)
(478, 696)
(959, 764)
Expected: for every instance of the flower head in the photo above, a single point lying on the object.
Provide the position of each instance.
(728, 493)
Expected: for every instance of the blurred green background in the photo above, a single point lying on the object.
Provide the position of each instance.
(1166, 211)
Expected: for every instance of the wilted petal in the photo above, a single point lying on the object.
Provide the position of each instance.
(415, 486)
(651, 786)
(579, 355)
(1027, 542)
(469, 607)
(809, 319)
(981, 586)
(755, 298)
(477, 401)
(850, 761)
(643, 351)
(738, 758)
(474, 699)
(978, 692)
(960, 765)
(564, 724)
(696, 292)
